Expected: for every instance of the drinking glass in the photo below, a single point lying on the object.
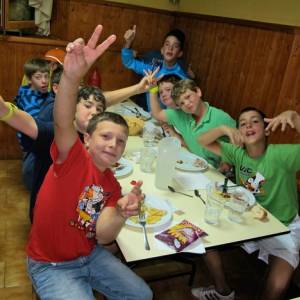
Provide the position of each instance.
(148, 156)
(236, 209)
(214, 205)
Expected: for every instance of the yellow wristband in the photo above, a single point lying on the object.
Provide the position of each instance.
(154, 90)
(12, 108)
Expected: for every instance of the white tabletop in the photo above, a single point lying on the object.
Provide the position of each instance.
(130, 240)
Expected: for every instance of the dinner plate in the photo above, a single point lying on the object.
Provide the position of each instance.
(243, 194)
(158, 203)
(188, 161)
(123, 168)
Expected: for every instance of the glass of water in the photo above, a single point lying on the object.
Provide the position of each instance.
(214, 205)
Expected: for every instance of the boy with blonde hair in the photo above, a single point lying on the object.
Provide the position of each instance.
(192, 117)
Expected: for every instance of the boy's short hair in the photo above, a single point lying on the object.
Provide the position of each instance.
(250, 108)
(178, 34)
(36, 65)
(106, 116)
(86, 91)
(56, 75)
(181, 87)
(172, 78)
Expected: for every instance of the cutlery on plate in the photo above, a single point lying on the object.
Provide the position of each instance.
(174, 191)
(196, 192)
(224, 188)
(142, 221)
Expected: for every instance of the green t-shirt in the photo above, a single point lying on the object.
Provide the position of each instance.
(190, 130)
(270, 177)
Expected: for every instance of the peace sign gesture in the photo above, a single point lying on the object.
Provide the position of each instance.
(81, 56)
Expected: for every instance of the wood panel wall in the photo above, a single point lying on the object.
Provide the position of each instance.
(237, 63)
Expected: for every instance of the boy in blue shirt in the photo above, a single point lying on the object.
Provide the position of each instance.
(31, 97)
(172, 50)
(277, 167)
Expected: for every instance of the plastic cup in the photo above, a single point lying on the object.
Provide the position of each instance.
(214, 205)
(148, 156)
(236, 210)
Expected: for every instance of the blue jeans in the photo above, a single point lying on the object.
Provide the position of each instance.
(76, 279)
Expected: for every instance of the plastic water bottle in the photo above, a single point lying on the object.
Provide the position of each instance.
(168, 151)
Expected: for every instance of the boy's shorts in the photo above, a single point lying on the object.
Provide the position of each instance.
(284, 246)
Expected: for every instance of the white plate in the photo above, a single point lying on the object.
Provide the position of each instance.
(125, 168)
(245, 194)
(188, 160)
(158, 203)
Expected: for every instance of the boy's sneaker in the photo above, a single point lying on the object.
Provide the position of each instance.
(210, 293)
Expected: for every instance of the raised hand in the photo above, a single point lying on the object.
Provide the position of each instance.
(149, 80)
(129, 36)
(234, 135)
(129, 205)
(287, 118)
(190, 72)
(81, 56)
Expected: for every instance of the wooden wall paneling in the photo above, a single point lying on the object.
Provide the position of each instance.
(13, 55)
(237, 65)
(289, 97)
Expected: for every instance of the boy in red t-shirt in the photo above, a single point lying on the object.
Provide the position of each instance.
(79, 206)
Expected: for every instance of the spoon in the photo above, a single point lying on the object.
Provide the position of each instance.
(196, 192)
(174, 191)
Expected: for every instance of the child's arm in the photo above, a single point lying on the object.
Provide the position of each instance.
(129, 37)
(112, 219)
(78, 60)
(169, 129)
(209, 138)
(289, 117)
(18, 119)
(114, 97)
(156, 111)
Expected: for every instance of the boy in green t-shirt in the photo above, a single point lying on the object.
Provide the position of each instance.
(268, 171)
(192, 117)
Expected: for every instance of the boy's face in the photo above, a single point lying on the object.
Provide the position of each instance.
(85, 110)
(251, 127)
(106, 144)
(165, 90)
(171, 49)
(39, 81)
(190, 101)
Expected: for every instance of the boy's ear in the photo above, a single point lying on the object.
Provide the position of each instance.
(198, 91)
(180, 54)
(86, 138)
(55, 88)
(267, 132)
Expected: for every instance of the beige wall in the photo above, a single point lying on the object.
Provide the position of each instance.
(271, 11)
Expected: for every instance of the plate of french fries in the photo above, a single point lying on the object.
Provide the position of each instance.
(157, 210)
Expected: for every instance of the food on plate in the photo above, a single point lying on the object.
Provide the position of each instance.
(199, 163)
(259, 213)
(153, 215)
(117, 167)
(179, 161)
(180, 235)
(135, 125)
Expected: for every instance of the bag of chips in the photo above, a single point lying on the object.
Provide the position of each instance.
(180, 235)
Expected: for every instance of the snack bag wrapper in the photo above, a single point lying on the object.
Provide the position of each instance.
(180, 235)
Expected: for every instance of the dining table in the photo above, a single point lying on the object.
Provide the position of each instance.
(182, 207)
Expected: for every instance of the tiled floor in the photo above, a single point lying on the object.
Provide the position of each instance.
(245, 273)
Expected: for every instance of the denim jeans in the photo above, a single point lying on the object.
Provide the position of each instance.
(76, 279)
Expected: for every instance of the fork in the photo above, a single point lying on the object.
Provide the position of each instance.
(142, 221)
